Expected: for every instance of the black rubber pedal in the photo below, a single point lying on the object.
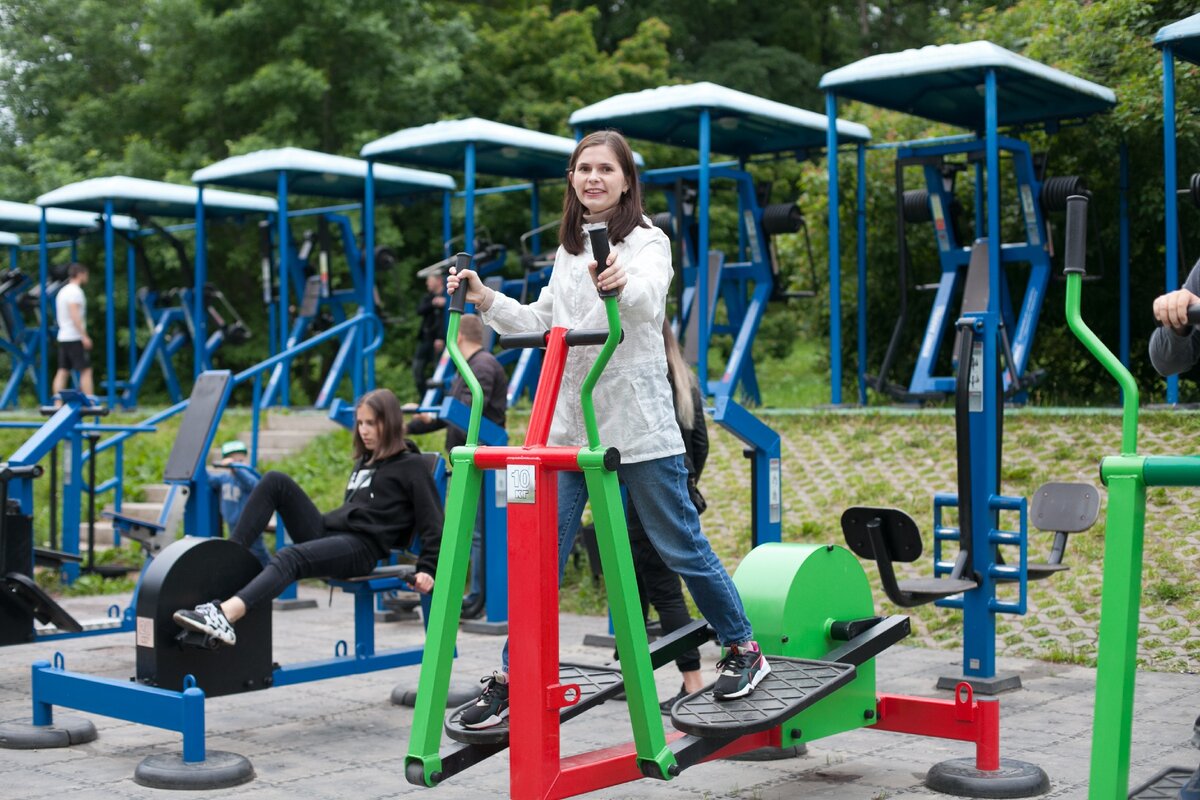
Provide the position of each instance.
(793, 685)
(1173, 783)
(591, 681)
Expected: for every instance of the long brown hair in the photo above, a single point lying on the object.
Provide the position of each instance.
(628, 213)
(682, 379)
(390, 420)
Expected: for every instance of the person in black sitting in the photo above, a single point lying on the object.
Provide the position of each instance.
(494, 383)
(1175, 347)
(390, 498)
(432, 333)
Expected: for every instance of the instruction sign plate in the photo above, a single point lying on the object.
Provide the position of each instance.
(145, 632)
(975, 379)
(774, 492)
(520, 484)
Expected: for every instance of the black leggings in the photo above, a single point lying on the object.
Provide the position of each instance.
(315, 552)
(660, 587)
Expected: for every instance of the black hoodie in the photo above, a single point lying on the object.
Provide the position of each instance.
(392, 501)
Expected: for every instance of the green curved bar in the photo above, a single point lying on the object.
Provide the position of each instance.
(464, 369)
(589, 383)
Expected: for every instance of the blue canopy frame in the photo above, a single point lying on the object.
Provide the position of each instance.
(1179, 40)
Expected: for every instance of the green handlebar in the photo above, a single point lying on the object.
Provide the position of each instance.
(458, 301)
(589, 383)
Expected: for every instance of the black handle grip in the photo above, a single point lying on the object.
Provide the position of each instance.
(7, 472)
(1193, 313)
(1075, 246)
(458, 300)
(598, 231)
(578, 336)
(519, 341)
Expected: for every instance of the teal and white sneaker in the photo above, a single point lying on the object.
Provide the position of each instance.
(740, 671)
(207, 618)
(491, 708)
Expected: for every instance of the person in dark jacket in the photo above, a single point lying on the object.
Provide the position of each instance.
(390, 498)
(432, 333)
(494, 383)
(658, 586)
(1175, 347)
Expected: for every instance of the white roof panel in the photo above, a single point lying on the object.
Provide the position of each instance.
(9, 239)
(26, 218)
(1183, 37)
(665, 114)
(316, 173)
(137, 195)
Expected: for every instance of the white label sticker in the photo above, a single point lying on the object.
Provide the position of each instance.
(521, 484)
(775, 492)
(501, 484)
(975, 379)
(145, 632)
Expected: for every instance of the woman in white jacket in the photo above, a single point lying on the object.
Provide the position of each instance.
(633, 400)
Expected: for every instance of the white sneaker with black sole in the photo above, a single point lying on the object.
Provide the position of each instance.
(207, 618)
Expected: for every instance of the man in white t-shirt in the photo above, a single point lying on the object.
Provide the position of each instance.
(70, 307)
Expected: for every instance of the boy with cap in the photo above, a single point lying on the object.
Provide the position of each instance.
(236, 482)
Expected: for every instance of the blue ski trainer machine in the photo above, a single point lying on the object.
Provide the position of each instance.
(942, 84)
(713, 119)
(290, 173)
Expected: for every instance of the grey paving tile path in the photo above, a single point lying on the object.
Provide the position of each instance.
(343, 738)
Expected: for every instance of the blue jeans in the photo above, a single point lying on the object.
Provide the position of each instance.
(658, 489)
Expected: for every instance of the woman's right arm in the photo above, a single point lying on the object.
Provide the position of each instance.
(501, 312)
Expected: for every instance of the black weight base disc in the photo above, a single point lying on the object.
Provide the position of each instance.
(218, 771)
(959, 777)
(406, 695)
(65, 732)
(771, 753)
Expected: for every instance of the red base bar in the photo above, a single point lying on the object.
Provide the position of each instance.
(612, 766)
(962, 718)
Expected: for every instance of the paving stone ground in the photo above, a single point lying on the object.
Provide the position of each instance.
(343, 738)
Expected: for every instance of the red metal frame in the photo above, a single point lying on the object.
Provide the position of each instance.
(962, 718)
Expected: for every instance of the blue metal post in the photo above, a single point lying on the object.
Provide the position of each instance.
(862, 274)
(43, 323)
(1123, 227)
(285, 259)
(1169, 186)
(703, 303)
(469, 198)
(369, 258)
(199, 333)
(835, 269)
(110, 321)
(131, 301)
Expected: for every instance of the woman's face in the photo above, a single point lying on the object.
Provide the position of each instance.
(368, 426)
(598, 179)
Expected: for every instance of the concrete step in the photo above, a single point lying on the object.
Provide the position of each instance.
(104, 534)
(282, 439)
(155, 492)
(301, 420)
(142, 510)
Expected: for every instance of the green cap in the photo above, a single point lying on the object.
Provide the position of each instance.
(236, 446)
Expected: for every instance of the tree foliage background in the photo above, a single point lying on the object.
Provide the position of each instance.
(159, 88)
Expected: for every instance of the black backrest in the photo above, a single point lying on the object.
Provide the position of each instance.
(1065, 507)
(900, 533)
(198, 427)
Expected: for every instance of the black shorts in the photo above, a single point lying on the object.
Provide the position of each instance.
(72, 356)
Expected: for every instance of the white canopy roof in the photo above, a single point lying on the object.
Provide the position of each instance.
(9, 239)
(314, 173)
(500, 149)
(26, 218)
(664, 114)
(1183, 37)
(137, 195)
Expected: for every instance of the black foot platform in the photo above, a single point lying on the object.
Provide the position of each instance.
(793, 685)
(26, 593)
(596, 684)
(1173, 783)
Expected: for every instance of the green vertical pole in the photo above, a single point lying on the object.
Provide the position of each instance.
(1117, 661)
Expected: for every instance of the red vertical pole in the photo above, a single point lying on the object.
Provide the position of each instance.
(532, 627)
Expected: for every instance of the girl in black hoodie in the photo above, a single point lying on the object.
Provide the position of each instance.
(390, 498)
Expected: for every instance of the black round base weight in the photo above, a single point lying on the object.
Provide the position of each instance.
(960, 778)
(404, 695)
(65, 732)
(218, 771)
(771, 753)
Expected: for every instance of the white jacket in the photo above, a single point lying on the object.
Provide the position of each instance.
(634, 408)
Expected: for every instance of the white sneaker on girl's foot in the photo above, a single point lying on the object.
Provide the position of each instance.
(207, 618)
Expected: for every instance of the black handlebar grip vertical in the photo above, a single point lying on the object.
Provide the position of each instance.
(458, 300)
(598, 231)
(1075, 246)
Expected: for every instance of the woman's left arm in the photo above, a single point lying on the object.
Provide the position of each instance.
(428, 519)
(648, 270)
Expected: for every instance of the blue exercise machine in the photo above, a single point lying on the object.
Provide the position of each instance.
(1178, 41)
(714, 119)
(145, 199)
(942, 83)
(293, 172)
(477, 147)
